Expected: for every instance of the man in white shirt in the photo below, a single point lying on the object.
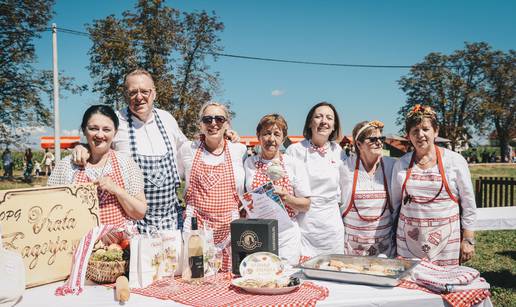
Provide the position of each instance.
(152, 137)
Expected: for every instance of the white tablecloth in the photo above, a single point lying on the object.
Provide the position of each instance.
(496, 218)
(340, 295)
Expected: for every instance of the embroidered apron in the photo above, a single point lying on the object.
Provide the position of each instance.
(429, 222)
(212, 197)
(111, 212)
(367, 222)
(289, 239)
(161, 182)
(321, 228)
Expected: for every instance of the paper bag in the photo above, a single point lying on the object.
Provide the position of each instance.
(146, 258)
(172, 247)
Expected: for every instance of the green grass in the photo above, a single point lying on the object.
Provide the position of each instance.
(496, 260)
(492, 170)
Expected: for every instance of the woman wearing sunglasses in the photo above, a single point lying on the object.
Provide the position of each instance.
(214, 173)
(321, 228)
(290, 180)
(367, 210)
(433, 187)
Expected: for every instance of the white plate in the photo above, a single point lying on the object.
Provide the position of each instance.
(268, 291)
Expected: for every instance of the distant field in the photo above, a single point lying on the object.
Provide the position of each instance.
(492, 170)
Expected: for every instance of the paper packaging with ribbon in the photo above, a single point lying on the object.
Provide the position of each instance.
(172, 250)
(249, 236)
(146, 259)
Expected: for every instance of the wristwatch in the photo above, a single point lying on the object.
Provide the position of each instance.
(471, 241)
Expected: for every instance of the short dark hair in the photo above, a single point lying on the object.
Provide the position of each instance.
(307, 131)
(99, 109)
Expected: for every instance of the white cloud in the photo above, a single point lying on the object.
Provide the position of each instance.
(278, 93)
(73, 132)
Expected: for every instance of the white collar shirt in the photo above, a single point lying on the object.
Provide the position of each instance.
(149, 141)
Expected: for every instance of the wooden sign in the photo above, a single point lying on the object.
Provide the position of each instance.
(45, 225)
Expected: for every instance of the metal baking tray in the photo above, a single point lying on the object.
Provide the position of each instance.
(398, 268)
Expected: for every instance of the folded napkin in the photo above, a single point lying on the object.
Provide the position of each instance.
(477, 283)
(445, 279)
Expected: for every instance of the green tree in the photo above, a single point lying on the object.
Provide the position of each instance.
(172, 46)
(498, 109)
(453, 85)
(22, 86)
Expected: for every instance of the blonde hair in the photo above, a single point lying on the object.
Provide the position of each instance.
(138, 72)
(363, 130)
(214, 104)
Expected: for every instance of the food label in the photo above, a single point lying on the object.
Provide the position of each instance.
(197, 266)
(262, 265)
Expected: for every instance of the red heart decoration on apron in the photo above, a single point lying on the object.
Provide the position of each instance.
(209, 180)
(414, 234)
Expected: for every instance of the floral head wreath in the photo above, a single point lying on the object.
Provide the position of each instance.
(421, 111)
(375, 124)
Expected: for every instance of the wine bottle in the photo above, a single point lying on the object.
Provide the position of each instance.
(195, 253)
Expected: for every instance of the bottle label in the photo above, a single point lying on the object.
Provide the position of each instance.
(196, 266)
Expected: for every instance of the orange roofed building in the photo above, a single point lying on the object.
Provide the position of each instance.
(66, 142)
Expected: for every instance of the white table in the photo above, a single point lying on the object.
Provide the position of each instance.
(340, 295)
(496, 218)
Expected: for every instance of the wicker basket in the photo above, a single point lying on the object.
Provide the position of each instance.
(105, 272)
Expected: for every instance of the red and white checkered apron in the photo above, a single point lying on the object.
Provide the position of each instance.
(212, 197)
(111, 212)
(367, 222)
(429, 221)
(260, 178)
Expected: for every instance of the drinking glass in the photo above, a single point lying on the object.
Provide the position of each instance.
(171, 263)
(216, 260)
(214, 263)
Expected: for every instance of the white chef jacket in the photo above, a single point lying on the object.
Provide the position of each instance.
(322, 230)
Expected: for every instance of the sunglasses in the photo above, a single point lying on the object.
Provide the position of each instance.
(219, 119)
(374, 139)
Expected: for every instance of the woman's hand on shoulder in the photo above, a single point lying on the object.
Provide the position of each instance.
(233, 136)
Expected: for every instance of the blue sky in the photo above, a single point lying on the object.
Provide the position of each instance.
(352, 32)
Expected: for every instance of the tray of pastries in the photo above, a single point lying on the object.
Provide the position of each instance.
(358, 269)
